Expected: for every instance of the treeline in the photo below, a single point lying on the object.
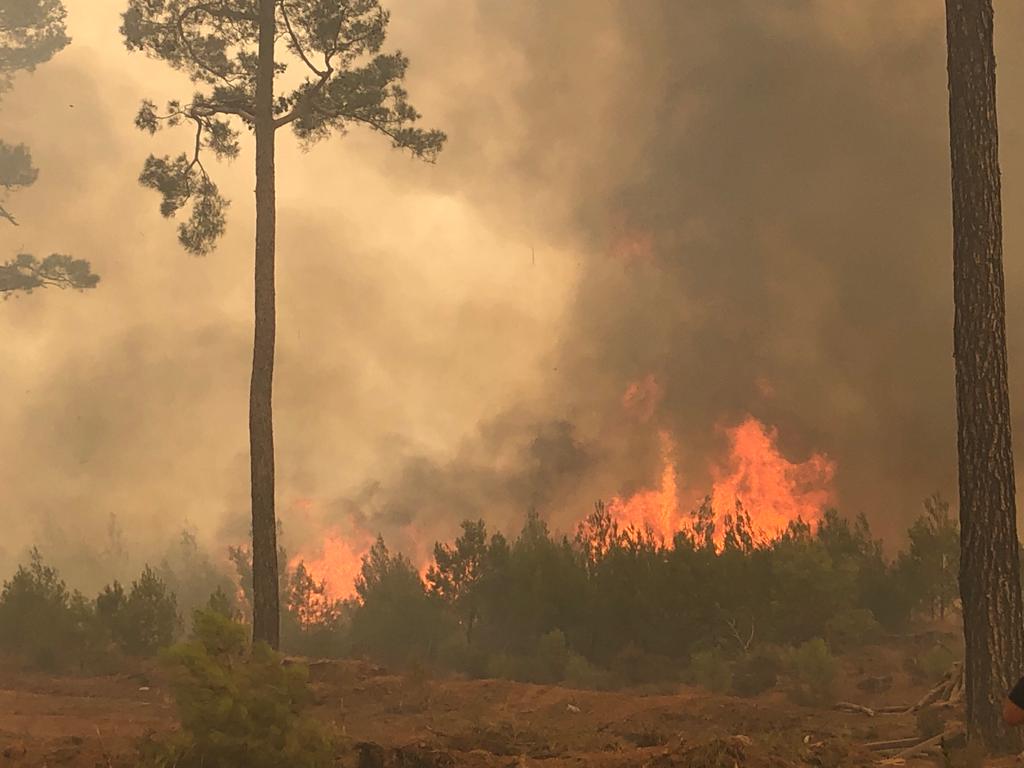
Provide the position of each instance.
(607, 606)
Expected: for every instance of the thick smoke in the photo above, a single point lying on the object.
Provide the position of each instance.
(761, 197)
(748, 200)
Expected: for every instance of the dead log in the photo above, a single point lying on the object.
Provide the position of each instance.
(928, 744)
(883, 746)
(847, 706)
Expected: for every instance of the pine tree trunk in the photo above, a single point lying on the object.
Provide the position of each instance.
(989, 550)
(266, 609)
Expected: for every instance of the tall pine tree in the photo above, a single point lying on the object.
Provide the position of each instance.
(233, 50)
(989, 550)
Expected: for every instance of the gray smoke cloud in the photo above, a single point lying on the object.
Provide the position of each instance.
(748, 200)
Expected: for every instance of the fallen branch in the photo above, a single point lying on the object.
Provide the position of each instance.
(928, 746)
(948, 692)
(893, 709)
(847, 706)
(934, 741)
(883, 746)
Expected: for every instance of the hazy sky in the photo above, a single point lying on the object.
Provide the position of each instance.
(462, 333)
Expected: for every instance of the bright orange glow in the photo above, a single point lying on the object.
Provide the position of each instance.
(772, 490)
(337, 563)
(654, 510)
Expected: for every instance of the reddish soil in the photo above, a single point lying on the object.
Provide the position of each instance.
(96, 721)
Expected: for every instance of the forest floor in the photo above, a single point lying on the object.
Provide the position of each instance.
(427, 721)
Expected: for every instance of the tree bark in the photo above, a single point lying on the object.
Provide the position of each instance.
(989, 551)
(266, 609)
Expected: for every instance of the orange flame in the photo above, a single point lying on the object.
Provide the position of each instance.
(773, 490)
(654, 510)
(337, 564)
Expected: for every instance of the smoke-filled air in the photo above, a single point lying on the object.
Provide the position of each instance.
(562, 382)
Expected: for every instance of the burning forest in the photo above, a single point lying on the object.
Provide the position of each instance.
(458, 383)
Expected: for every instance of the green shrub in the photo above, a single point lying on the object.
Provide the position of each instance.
(580, 673)
(813, 670)
(851, 628)
(41, 622)
(237, 706)
(458, 655)
(501, 666)
(221, 603)
(711, 670)
(143, 620)
(395, 618)
(634, 666)
(755, 674)
(552, 657)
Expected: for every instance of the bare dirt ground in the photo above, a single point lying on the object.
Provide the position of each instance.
(441, 721)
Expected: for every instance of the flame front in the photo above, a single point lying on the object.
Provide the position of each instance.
(772, 490)
(657, 510)
(337, 564)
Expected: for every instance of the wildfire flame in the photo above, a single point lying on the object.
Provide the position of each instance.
(773, 490)
(655, 510)
(337, 564)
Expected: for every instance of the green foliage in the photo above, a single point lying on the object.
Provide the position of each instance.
(143, 620)
(931, 564)
(580, 673)
(16, 169)
(552, 658)
(456, 573)
(396, 619)
(710, 669)
(192, 575)
(756, 673)
(25, 273)
(851, 628)
(223, 604)
(313, 624)
(181, 180)
(613, 607)
(634, 666)
(237, 706)
(341, 79)
(31, 33)
(809, 586)
(457, 654)
(40, 621)
(813, 670)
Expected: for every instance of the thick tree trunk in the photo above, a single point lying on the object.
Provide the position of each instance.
(266, 610)
(989, 553)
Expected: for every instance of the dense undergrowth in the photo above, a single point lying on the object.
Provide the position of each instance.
(606, 608)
